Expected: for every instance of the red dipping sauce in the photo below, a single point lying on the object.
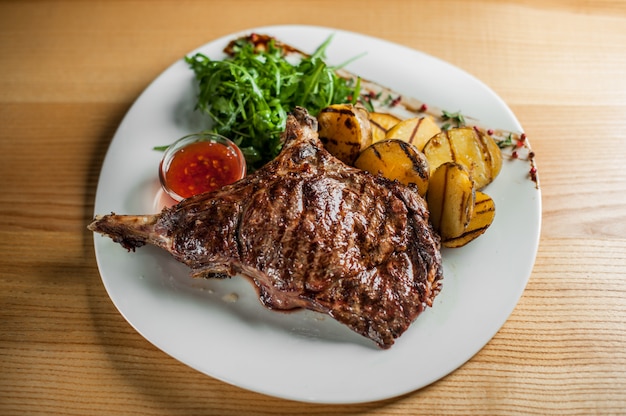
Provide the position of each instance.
(200, 163)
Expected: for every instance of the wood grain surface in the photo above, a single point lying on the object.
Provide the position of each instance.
(69, 71)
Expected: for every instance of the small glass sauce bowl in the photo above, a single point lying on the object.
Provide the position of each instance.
(198, 163)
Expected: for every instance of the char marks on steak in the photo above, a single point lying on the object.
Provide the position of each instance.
(309, 232)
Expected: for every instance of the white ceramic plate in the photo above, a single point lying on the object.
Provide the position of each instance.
(219, 327)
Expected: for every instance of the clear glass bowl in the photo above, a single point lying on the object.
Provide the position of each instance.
(198, 163)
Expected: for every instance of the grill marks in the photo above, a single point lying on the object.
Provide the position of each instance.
(347, 122)
(481, 142)
(482, 217)
(415, 130)
(416, 164)
(364, 234)
(359, 226)
(444, 191)
(184, 245)
(483, 206)
(453, 153)
(474, 150)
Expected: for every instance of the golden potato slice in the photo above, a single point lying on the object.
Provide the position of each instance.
(344, 130)
(482, 217)
(477, 151)
(417, 131)
(381, 123)
(450, 200)
(396, 159)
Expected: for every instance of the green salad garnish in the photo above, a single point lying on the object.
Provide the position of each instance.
(248, 94)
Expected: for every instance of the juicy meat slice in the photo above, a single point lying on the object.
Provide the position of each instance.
(309, 232)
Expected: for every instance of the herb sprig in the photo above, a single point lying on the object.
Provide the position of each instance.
(249, 94)
(453, 119)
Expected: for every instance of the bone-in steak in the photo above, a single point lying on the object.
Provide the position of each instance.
(309, 232)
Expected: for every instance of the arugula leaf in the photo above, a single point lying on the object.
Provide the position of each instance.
(249, 94)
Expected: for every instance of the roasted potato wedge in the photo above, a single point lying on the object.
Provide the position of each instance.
(381, 123)
(417, 131)
(396, 159)
(477, 151)
(482, 217)
(450, 200)
(345, 130)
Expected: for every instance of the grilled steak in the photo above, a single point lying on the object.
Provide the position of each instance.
(309, 232)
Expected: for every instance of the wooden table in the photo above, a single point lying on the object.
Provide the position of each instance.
(70, 70)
